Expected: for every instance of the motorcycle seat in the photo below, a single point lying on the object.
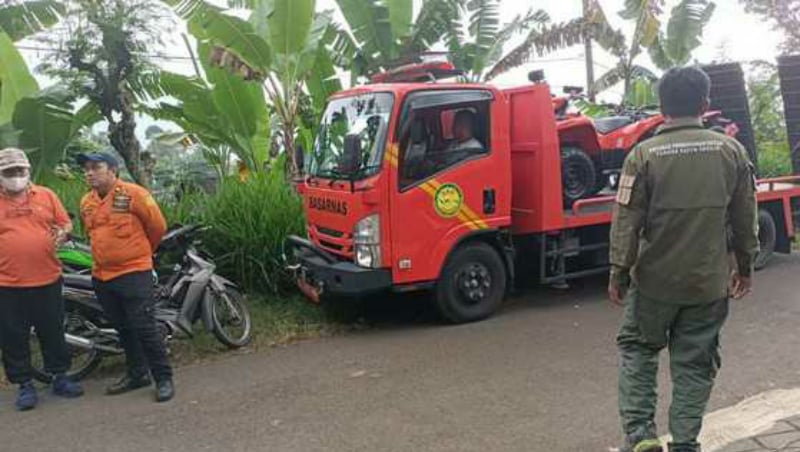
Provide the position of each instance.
(612, 123)
(78, 281)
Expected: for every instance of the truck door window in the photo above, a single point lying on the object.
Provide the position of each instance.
(440, 137)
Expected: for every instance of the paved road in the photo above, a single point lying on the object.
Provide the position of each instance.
(540, 376)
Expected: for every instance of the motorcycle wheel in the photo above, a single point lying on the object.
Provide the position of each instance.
(231, 318)
(84, 361)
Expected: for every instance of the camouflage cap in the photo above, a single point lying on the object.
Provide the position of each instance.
(13, 158)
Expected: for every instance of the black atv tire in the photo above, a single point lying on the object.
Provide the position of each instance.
(767, 238)
(578, 175)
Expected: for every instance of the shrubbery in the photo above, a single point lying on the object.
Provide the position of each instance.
(249, 222)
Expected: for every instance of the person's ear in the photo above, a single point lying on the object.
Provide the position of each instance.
(706, 106)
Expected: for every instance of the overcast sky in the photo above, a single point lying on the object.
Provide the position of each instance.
(732, 32)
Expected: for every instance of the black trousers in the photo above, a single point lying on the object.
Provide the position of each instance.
(128, 302)
(43, 309)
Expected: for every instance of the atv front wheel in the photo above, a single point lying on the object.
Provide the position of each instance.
(578, 175)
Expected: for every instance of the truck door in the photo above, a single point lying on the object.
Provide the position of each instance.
(451, 179)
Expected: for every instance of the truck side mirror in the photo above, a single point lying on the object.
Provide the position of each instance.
(300, 158)
(351, 155)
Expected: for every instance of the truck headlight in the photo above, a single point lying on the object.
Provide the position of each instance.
(367, 242)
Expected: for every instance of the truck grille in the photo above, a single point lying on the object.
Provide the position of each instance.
(331, 240)
(330, 232)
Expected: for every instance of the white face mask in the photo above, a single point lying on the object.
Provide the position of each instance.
(15, 184)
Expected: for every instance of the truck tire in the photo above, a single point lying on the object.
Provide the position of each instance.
(767, 238)
(472, 285)
(578, 175)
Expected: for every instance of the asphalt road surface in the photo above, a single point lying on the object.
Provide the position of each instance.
(539, 376)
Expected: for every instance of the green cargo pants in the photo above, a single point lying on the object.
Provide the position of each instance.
(692, 333)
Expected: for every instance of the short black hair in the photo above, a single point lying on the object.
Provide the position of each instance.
(684, 91)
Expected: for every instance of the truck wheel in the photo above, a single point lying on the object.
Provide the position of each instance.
(767, 238)
(472, 285)
(578, 175)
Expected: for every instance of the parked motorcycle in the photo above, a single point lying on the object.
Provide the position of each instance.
(75, 256)
(191, 292)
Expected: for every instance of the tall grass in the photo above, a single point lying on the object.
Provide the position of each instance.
(249, 222)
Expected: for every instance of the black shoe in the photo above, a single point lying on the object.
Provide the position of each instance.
(644, 439)
(27, 399)
(165, 390)
(128, 384)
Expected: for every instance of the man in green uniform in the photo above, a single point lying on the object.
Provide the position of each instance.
(678, 194)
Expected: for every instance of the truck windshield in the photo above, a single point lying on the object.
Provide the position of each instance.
(366, 117)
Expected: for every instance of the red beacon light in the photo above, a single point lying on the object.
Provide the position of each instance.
(427, 67)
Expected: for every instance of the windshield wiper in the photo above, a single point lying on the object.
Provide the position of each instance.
(334, 176)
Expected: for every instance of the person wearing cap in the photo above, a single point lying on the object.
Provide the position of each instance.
(33, 223)
(125, 226)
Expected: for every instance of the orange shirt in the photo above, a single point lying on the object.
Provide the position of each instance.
(125, 229)
(27, 246)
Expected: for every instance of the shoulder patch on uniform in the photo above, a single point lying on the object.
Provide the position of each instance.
(625, 189)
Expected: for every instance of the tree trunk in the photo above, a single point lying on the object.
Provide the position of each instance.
(122, 135)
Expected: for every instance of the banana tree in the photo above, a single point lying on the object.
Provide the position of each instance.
(18, 20)
(281, 47)
(482, 47)
(667, 48)
(221, 109)
(42, 122)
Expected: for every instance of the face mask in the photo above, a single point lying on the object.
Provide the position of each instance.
(15, 184)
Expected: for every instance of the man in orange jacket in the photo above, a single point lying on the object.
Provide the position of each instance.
(33, 223)
(125, 226)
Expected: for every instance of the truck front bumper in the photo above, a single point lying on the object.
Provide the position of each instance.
(320, 274)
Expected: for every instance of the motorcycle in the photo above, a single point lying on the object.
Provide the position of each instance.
(75, 256)
(191, 292)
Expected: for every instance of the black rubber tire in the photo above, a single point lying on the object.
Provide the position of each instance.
(767, 238)
(88, 363)
(453, 305)
(237, 301)
(578, 175)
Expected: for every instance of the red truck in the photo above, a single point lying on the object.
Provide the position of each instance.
(396, 202)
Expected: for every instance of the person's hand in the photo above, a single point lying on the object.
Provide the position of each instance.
(615, 293)
(59, 236)
(741, 286)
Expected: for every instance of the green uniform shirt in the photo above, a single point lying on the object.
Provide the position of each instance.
(679, 192)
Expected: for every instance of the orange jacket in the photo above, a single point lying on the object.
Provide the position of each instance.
(27, 245)
(125, 229)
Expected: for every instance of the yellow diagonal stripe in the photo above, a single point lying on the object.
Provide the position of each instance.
(465, 214)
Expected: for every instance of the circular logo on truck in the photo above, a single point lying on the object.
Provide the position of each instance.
(448, 200)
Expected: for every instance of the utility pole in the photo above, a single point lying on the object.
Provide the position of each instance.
(589, 54)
